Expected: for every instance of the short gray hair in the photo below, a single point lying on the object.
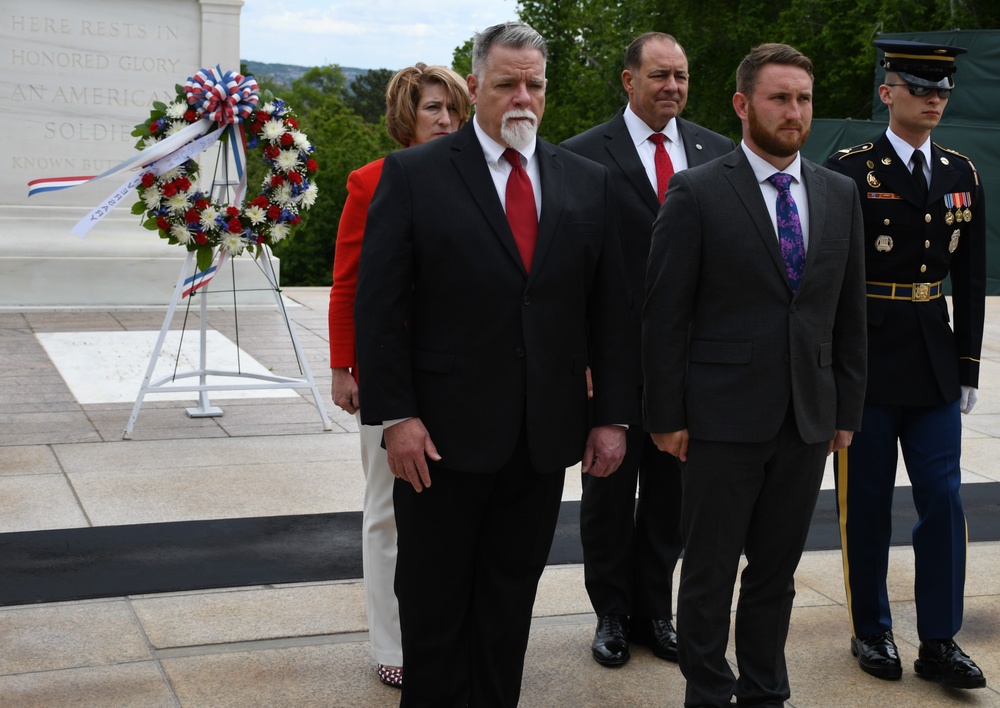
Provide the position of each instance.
(516, 35)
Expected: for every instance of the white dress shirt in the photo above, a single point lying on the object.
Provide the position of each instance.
(762, 170)
(640, 132)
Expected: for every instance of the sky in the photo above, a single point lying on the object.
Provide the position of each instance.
(367, 34)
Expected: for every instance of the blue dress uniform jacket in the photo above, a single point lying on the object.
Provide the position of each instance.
(915, 358)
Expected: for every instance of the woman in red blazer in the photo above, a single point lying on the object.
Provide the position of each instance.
(422, 103)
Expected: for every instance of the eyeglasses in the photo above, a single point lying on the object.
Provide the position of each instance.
(922, 91)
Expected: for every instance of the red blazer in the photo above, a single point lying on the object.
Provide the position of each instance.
(360, 186)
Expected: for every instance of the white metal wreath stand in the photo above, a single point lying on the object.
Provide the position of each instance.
(261, 381)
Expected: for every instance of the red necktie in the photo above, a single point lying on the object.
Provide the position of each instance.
(520, 204)
(664, 167)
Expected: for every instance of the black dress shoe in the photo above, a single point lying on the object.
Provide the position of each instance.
(610, 647)
(657, 634)
(942, 660)
(878, 656)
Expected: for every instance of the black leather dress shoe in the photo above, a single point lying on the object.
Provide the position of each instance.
(657, 634)
(878, 656)
(610, 647)
(942, 660)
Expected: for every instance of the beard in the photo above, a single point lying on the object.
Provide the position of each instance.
(775, 143)
(518, 134)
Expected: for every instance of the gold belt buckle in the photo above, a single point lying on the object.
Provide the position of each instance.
(921, 292)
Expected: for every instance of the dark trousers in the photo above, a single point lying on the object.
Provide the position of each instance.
(630, 547)
(931, 441)
(471, 549)
(756, 498)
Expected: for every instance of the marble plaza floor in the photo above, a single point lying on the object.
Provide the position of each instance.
(68, 380)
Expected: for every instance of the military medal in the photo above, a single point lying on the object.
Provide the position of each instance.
(883, 244)
(953, 243)
(957, 199)
(949, 202)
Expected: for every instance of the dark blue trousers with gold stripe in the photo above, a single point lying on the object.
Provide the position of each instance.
(930, 439)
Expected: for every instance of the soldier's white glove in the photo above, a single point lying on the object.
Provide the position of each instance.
(969, 397)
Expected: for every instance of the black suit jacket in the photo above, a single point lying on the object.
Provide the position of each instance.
(915, 358)
(637, 205)
(726, 346)
(452, 330)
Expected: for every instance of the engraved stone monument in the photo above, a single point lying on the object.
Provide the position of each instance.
(75, 78)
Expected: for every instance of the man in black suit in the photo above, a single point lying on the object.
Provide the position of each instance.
(491, 277)
(922, 224)
(753, 350)
(630, 548)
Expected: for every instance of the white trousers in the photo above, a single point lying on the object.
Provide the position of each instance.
(378, 548)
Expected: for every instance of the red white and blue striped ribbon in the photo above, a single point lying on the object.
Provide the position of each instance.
(200, 279)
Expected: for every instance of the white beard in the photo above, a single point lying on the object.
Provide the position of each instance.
(518, 134)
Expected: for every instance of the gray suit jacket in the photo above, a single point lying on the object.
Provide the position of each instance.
(726, 346)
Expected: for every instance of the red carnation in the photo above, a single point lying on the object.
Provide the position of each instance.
(291, 122)
(148, 180)
(201, 204)
(183, 183)
(200, 238)
(286, 140)
(190, 116)
(235, 226)
(295, 219)
(274, 212)
(232, 211)
(153, 126)
(271, 152)
(169, 190)
(311, 165)
(162, 224)
(295, 178)
(191, 216)
(277, 180)
(261, 202)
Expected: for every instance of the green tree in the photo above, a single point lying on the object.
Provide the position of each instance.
(366, 94)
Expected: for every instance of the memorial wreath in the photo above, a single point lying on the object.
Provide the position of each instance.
(188, 216)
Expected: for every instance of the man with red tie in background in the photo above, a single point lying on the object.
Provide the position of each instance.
(491, 278)
(630, 547)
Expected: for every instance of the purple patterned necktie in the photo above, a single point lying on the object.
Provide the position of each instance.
(789, 229)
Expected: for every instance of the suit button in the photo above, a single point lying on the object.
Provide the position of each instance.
(927, 218)
(526, 300)
(923, 269)
(519, 352)
(927, 244)
(886, 222)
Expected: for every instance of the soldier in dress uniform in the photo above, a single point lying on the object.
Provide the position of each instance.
(924, 219)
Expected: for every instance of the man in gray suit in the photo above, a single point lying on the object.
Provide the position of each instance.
(753, 348)
(630, 548)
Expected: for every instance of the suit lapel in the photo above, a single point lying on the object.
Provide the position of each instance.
(623, 152)
(693, 149)
(743, 180)
(891, 174)
(469, 160)
(553, 187)
(815, 184)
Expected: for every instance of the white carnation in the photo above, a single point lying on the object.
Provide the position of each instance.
(255, 214)
(179, 202)
(287, 160)
(233, 244)
(151, 197)
(279, 232)
(282, 196)
(181, 233)
(273, 130)
(308, 197)
(176, 110)
(300, 140)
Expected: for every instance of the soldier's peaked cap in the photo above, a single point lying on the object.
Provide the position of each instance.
(920, 63)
